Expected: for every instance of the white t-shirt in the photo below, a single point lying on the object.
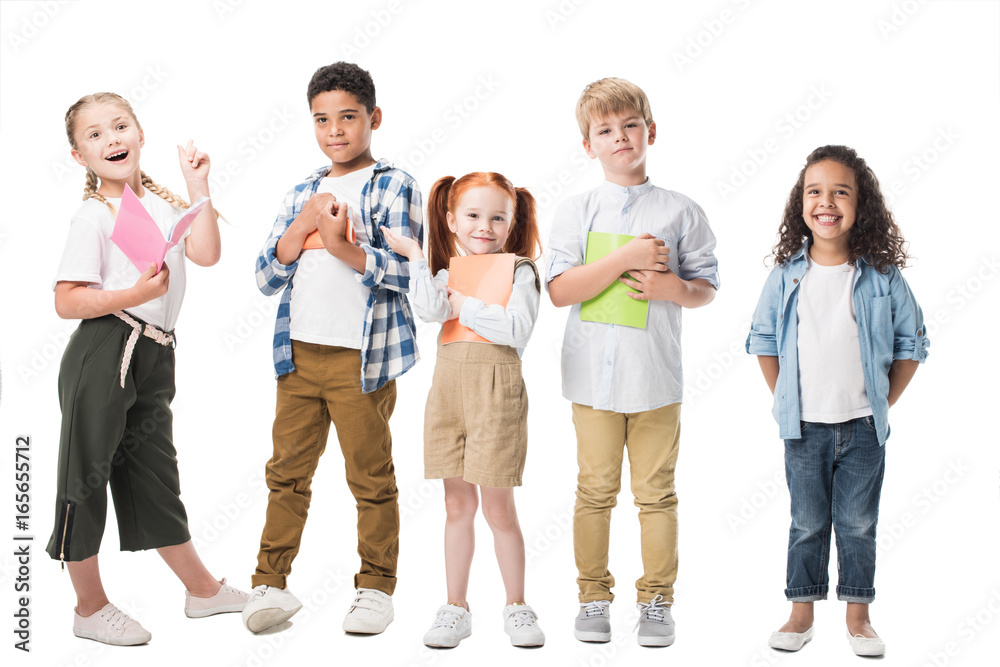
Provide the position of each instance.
(831, 379)
(90, 256)
(328, 304)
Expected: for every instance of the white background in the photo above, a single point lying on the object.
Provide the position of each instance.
(468, 86)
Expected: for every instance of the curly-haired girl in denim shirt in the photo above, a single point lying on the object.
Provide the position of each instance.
(838, 335)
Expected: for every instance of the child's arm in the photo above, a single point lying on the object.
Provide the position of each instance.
(428, 294)
(505, 326)
(203, 245)
(74, 300)
(762, 339)
(405, 217)
(900, 374)
(278, 259)
(585, 281)
(668, 286)
(769, 367)
(332, 224)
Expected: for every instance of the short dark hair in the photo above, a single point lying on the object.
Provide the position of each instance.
(347, 77)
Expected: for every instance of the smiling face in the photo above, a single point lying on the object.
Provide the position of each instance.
(481, 220)
(829, 206)
(344, 130)
(107, 140)
(619, 141)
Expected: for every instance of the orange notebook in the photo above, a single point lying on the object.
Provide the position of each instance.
(314, 241)
(489, 278)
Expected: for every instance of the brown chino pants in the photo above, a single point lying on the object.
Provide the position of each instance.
(326, 386)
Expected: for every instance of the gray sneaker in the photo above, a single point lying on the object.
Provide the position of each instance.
(656, 625)
(593, 623)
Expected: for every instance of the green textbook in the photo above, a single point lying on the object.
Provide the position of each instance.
(613, 305)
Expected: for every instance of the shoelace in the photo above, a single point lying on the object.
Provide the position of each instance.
(653, 611)
(117, 618)
(595, 608)
(258, 592)
(524, 618)
(445, 619)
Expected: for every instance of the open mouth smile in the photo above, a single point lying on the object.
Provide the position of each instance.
(117, 157)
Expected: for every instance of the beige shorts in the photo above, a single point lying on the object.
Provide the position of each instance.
(476, 421)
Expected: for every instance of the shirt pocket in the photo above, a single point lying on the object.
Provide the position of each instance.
(881, 315)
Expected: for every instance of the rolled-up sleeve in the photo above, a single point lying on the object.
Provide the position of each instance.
(696, 248)
(429, 294)
(567, 241)
(763, 338)
(909, 339)
(271, 274)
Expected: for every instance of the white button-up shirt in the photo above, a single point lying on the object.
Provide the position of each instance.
(614, 367)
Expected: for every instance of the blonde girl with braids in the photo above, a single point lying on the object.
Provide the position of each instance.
(475, 426)
(116, 379)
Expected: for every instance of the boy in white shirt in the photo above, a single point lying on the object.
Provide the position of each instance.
(625, 382)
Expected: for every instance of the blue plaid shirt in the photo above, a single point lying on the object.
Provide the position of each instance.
(388, 344)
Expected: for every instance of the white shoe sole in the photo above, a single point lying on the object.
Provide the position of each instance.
(113, 641)
(263, 619)
(202, 613)
(601, 637)
(656, 640)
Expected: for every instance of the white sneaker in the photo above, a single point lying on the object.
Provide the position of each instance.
(451, 625)
(370, 612)
(269, 606)
(112, 626)
(520, 622)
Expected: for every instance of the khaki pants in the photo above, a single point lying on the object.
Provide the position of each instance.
(325, 386)
(652, 439)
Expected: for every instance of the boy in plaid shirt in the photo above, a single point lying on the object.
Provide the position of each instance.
(343, 333)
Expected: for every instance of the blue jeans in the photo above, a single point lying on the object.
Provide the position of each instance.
(834, 474)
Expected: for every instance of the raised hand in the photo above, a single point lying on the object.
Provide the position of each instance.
(194, 163)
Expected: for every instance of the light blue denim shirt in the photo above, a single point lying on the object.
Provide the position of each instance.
(890, 326)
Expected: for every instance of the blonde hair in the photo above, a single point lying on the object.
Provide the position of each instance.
(607, 96)
(92, 183)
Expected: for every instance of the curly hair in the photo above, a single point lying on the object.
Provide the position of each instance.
(343, 76)
(875, 237)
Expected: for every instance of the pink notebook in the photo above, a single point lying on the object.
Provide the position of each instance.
(140, 238)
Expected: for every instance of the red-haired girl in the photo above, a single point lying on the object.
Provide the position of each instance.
(481, 453)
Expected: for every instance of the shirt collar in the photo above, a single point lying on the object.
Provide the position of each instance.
(381, 165)
(627, 191)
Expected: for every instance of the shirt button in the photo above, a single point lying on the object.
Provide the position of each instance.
(795, 280)
(920, 332)
(609, 362)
